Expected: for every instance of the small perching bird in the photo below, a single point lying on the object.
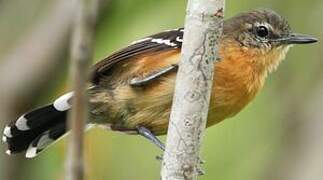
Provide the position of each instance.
(132, 89)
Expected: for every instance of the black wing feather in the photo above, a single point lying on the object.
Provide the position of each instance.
(163, 41)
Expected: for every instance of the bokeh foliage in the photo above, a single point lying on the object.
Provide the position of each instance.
(241, 148)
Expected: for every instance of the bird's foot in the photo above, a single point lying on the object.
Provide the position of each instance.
(151, 137)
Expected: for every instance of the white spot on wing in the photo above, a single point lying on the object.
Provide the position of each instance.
(7, 131)
(163, 41)
(62, 104)
(172, 29)
(140, 40)
(21, 124)
(178, 39)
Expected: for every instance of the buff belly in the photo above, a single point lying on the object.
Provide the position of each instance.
(125, 107)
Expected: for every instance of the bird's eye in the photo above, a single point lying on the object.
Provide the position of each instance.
(262, 31)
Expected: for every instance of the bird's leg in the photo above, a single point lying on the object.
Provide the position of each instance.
(137, 82)
(152, 138)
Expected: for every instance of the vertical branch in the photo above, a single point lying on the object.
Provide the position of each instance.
(81, 54)
(203, 27)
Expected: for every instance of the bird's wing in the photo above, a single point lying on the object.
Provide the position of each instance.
(152, 76)
(164, 41)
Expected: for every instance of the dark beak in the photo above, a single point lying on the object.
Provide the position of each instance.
(295, 38)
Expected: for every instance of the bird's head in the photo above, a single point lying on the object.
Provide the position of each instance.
(263, 36)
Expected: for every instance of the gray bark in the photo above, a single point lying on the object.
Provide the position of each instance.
(81, 55)
(203, 28)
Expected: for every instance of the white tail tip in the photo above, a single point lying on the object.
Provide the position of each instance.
(4, 138)
(21, 124)
(7, 132)
(62, 103)
(31, 152)
(8, 152)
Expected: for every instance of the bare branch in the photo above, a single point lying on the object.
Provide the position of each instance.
(81, 55)
(203, 27)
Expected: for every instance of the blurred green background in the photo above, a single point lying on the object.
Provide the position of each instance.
(250, 146)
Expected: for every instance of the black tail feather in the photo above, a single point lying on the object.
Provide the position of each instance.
(35, 130)
(45, 139)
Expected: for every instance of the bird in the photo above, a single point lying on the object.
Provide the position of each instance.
(132, 89)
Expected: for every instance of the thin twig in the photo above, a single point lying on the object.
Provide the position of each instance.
(203, 27)
(81, 55)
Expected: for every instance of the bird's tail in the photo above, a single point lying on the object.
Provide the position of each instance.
(35, 130)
